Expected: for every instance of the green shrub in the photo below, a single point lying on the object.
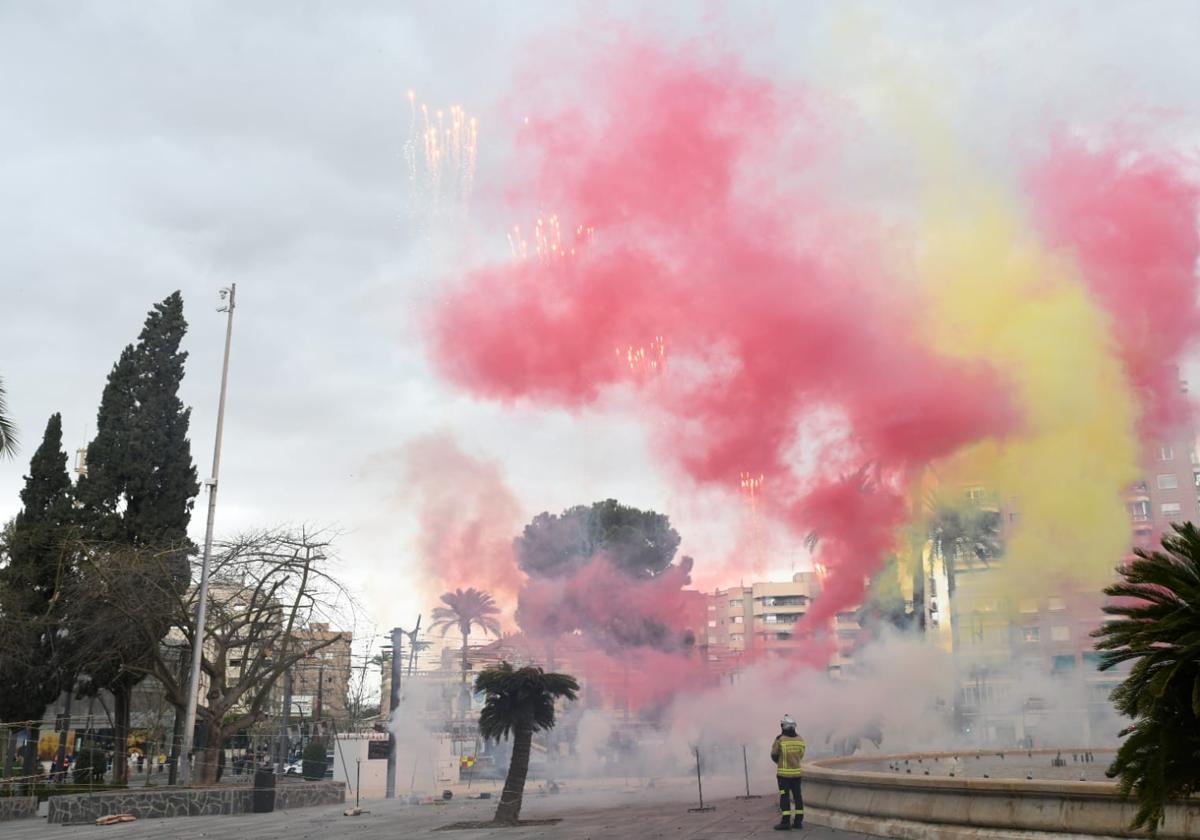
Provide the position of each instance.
(90, 765)
(313, 761)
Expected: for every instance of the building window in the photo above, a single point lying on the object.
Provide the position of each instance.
(712, 607)
(976, 632)
(736, 603)
(1031, 634)
(737, 619)
(1060, 633)
(1167, 481)
(1166, 453)
(736, 637)
(1028, 605)
(784, 600)
(1171, 509)
(1063, 664)
(1055, 604)
(1013, 516)
(712, 622)
(783, 637)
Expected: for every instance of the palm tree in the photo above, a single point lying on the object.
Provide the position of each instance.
(520, 702)
(1158, 629)
(466, 609)
(8, 432)
(964, 532)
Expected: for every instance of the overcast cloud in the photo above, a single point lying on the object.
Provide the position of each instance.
(147, 147)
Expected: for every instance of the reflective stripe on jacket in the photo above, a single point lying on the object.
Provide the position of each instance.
(787, 753)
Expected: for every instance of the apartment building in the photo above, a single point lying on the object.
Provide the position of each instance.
(1026, 668)
(761, 619)
(321, 682)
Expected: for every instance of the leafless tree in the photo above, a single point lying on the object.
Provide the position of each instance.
(265, 586)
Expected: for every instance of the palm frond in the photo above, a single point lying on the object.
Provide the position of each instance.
(8, 431)
(520, 699)
(1156, 626)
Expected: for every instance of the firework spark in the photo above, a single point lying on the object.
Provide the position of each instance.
(644, 360)
(751, 487)
(546, 241)
(441, 155)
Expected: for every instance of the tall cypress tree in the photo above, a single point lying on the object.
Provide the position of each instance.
(140, 487)
(141, 482)
(32, 667)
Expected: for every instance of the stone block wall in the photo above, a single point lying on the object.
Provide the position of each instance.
(17, 807)
(308, 794)
(196, 802)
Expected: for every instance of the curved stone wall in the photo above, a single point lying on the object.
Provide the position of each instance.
(979, 805)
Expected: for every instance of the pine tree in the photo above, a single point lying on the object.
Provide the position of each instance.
(138, 492)
(31, 585)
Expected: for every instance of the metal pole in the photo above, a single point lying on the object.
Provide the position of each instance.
(393, 705)
(189, 721)
(284, 735)
(746, 770)
(700, 785)
(63, 731)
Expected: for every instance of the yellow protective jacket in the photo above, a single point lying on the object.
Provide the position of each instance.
(787, 752)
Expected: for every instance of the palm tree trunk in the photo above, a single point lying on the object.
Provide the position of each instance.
(464, 695)
(509, 809)
(466, 635)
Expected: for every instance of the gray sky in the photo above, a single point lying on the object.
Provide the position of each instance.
(153, 146)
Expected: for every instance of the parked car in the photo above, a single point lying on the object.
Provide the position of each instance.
(294, 768)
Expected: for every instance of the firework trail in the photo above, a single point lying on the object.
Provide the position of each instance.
(440, 156)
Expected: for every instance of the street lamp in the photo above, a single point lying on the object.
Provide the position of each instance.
(189, 721)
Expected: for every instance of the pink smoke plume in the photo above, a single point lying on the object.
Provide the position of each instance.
(1129, 219)
(632, 612)
(466, 515)
(691, 173)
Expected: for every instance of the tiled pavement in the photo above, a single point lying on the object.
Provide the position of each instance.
(583, 818)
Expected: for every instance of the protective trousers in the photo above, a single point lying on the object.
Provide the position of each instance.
(789, 788)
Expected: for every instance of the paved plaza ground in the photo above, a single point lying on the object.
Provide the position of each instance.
(584, 817)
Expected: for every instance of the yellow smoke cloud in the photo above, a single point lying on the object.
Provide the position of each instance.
(994, 293)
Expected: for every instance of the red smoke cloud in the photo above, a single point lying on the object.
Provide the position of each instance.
(466, 516)
(691, 172)
(1129, 219)
(632, 611)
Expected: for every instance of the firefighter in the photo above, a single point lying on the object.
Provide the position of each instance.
(787, 752)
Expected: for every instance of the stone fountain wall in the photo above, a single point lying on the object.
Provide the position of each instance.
(952, 808)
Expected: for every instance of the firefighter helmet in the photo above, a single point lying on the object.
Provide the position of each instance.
(787, 723)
